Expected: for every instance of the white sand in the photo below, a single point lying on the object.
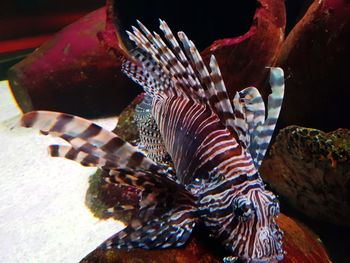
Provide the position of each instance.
(43, 217)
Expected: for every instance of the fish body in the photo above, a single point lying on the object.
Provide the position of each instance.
(216, 147)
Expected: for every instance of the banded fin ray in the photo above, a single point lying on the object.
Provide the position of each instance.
(166, 213)
(186, 69)
(265, 131)
(165, 57)
(147, 74)
(255, 132)
(81, 156)
(85, 136)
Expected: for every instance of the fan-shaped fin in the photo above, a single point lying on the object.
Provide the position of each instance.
(88, 137)
(166, 215)
(81, 156)
(185, 68)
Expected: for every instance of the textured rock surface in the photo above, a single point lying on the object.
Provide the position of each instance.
(127, 128)
(310, 169)
(315, 57)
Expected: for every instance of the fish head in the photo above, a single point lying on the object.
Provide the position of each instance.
(256, 237)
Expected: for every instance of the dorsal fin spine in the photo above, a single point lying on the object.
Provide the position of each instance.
(186, 69)
(172, 40)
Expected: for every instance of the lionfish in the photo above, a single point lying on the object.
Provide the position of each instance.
(216, 148)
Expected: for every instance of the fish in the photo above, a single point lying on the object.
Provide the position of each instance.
(216, 147)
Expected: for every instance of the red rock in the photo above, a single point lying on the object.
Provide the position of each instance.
(243, 60)
(300, 243)
(315, 57)
(191, 252)
(73, 73)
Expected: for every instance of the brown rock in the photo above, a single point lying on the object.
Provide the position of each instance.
(310, 169)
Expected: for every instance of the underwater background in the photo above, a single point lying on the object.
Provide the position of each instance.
(76, 70)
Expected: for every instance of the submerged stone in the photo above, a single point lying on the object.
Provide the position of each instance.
(310, 169)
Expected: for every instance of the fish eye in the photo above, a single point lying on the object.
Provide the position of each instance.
(243, 210)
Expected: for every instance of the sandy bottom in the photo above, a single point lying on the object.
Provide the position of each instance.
(43, 217)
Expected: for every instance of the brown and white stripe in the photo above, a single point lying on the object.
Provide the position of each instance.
(216, 149)
(89, 138)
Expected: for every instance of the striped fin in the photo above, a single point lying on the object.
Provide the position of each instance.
(250, 113)
(166, 215)
(88, 137)
(80, 156)
(136, 74)
(240, 121)
(147, 74)
(185, 67)
(180, 54)
(169, 230)
(221, 99)
(166, 57)
(179, 71)
(265, 131)
(254, 131)
(151, 141)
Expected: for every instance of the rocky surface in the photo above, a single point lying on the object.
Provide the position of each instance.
(300, 243)
(127, 128)
(310, 170)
